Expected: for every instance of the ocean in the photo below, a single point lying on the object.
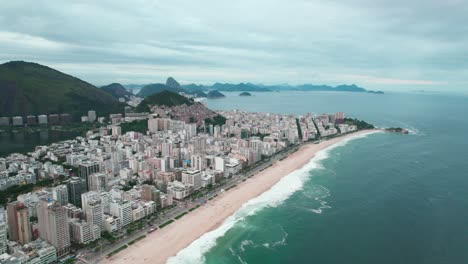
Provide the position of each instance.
(379, 198)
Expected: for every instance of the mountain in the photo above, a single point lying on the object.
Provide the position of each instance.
(150, 89)
(195, 87)
(349, 88)
(197, 93)
(28, 88)
(117, 91)
(163, 98)
(246, 87)
(250, 87)
(215, 94)
(134, 86)
(171, 82)
(194, 112)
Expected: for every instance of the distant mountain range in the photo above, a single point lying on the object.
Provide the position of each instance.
(171, 85)
(174, 86)
(249, 87)
(28, 88)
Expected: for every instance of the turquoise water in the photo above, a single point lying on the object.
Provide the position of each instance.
(383, 198)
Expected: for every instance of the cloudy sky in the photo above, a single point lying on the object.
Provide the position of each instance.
(390, 45)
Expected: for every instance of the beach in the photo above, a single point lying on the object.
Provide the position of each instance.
(164, 243)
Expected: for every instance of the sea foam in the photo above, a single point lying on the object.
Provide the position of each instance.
(277, 194)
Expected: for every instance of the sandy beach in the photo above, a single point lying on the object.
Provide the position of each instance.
(160, 245)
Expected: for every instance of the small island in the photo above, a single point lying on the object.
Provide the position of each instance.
(397, 130)
(375, 92)
(215, 94)
(245, 94)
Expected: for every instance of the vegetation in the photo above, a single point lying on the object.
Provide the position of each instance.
(217, 120)
(155, 88)
(163, 98)
(398, 130)
(299, 129)
(108, 236)
(33, 89)
(360, 124)
(215, 94)
(140, 126)
(12, 192)
(167, 223)
(245, 94)
(118, 250)
(180, 216)
(136, 239)
(191, 209)
(116, 90)
(134, 226)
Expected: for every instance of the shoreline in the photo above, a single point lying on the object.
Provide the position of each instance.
(165, 243)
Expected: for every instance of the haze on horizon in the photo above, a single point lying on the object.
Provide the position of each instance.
(387, 45)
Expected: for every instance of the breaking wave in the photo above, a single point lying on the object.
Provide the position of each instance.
(277, 194)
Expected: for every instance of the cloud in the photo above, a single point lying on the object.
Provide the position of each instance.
(390, 81)
(25, 41)
(418, 42)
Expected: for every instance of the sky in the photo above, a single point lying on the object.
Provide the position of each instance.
(396, 45)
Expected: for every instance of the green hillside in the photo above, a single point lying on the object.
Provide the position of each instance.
(117, 91)
(215, 94)
(155, 88)
(165, 98)
(30, 88)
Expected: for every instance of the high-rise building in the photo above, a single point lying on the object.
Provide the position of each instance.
(116, 131)
(54, 119)
(339, 118)
(4, 121)
(151, 193)
(3, 231)
(97, 182)
(80, 231)
(53, 225)
(153, 125)
(60, 194)
(91, 115)
(87, 168)
(19, 227)
(92, 208)
(31, 120)
(17, 120)
(65, 118)
(199, 144)
(42, 120)
(88, 197)
(105, 201)
(75, 187)
(192, 177)
(94, 215)
(123, 210)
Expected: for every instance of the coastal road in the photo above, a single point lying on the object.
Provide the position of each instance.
(95, 257)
